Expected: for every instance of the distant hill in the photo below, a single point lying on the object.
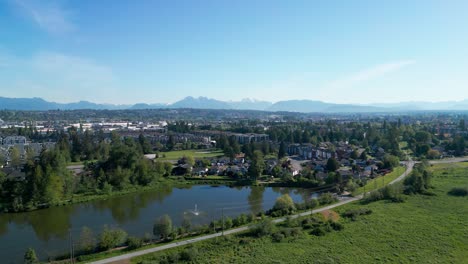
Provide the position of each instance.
(200, 103)
(250, 104)
(304, 106)
(39, 104)
(148, 106)
(308, 106)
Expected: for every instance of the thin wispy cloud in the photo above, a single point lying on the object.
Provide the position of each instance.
(58, 77)
(72, 68)
(48, 15)
(370, 74)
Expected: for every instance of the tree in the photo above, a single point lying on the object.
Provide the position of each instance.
(87, 241)
(264, 228)
(111, 238)
(390, 161)
(257, 165)
(284, 204)
(188, 159)
(186, 223)
(282, 150)
(332, 164)
(433, 154)
(462, 125)
(144, 144)
(2, 160)
(228, 222)
(162, 228)
(363, 156)
(15, 157)
(30, 256)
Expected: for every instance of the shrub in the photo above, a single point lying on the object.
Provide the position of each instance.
(162, 227)
(326, 198)
(329, 215)
(134, 242)
(318, 231)
(228, 223)
(264, 228)
(353, 214)
(189, 254)
(392, 193)
(30, 256)
(111, 238)
(284, 205)
(337, 226)
(312, 203)
(278, 237)
(459, 191)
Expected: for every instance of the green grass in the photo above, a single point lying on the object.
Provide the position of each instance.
(198, 154)
(380, 182)
(424, 229)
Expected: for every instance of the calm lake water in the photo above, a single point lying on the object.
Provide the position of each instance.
(47, 230)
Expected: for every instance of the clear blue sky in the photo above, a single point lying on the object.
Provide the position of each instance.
(115, 51)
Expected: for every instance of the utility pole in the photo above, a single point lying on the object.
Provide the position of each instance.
(71, 246)
(222, 216)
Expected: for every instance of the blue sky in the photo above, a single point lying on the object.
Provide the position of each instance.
(115, 51)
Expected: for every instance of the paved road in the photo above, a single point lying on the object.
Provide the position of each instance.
(409, 167)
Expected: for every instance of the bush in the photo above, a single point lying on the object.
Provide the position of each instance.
(353, 214)
(392, 193)
(326, 198)
(134, 242)
(278, 237)
(189, 254)
(337, 226)
(30, 256)
(318, 231)
(264, 228)
(111, 238)
(284, 205)
(312, 203)
(459, 191)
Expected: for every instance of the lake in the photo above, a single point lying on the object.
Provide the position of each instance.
(48, 230)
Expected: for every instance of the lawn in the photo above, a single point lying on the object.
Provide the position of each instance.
(198, 154)
(424, 229)
(379, 182)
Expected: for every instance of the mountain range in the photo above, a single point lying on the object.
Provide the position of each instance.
(304, 106)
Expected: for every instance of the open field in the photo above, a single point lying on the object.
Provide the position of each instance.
(424, 229)
(380, 182)
(198, 154)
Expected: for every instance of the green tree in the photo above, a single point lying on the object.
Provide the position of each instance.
(162, 228)
(30, 256)
(87, 241)
(264, 228)
(257, 165)
(390, 161)
(282, 150)
(186, 223)
(15, 157)
(111, 238)
(284, 204)
(332, 164)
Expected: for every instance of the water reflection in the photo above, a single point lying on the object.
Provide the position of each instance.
(255, 199)
(47, 230)
(127, 208)
(47, 224)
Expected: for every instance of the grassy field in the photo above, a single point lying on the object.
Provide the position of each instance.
(424, 229)
(379, 182)
(198, 154)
